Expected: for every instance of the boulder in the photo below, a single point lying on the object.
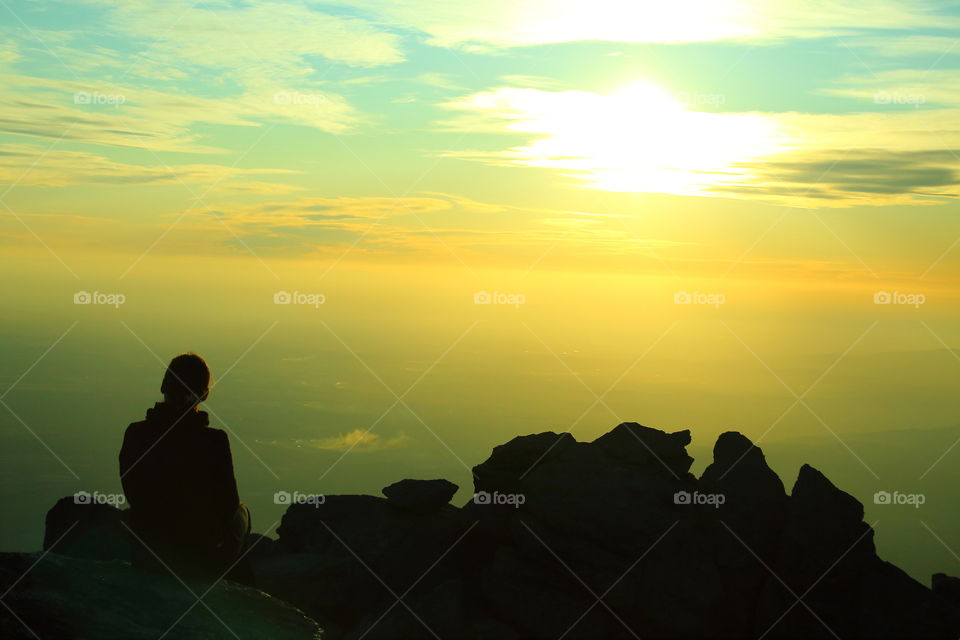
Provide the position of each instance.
(87, 530)
(345, 561)
(420, 495)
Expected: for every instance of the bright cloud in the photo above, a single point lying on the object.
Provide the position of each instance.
(638, 138)
(641, 139)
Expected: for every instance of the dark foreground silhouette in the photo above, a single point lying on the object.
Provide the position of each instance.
(606, 539)
(177, 475)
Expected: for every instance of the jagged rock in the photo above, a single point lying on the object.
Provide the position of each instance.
(55, 596)
(613, 538)
(637, 444)
(827, 555)
(420, 495)
(740, 469)
(509, 463)
(750, 521)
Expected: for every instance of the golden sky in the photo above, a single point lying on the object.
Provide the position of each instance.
(726, 213)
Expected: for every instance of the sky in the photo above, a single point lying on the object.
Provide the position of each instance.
(404, 232)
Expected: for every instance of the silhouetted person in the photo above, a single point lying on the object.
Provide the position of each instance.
(177, 474)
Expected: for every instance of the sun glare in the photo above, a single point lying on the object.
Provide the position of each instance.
(639, 138)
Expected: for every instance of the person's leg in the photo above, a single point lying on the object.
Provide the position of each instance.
(239, 533)
(247, 519)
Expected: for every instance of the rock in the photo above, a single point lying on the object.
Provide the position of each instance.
(637, 444)
(87, 530)
(947, 587)
(749, 523)
(892, 605)
(510, 463)
(826, 551)
(261, 546)
(739, 467)
(365, 521)
(420, 495)
(99, 532)
(55, 596)
(818, 499)
(343, 560)
(613, 538)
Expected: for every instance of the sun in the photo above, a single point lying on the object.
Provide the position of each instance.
(638, 138)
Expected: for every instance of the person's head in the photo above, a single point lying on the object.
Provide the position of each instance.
(187, 380)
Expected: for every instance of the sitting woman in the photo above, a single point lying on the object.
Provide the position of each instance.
(177, 474)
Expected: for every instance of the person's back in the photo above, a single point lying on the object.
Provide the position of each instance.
(177, 474)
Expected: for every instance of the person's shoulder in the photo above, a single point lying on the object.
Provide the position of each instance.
(215, 441)
(136, 438)
(215, 435)
(137, 428)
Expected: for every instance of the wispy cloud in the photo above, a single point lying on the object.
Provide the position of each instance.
(480, 26)
(248, 39)
(126, 116)
(358, 440)
(909, 88)
(908, 46)
(150, 73)
(61, 168)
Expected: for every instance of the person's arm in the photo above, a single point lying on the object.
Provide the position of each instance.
(129, 456)
(226, 498)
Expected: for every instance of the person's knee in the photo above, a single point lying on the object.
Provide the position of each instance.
(243, 514)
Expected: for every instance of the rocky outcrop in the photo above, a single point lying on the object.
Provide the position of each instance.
(613, 538)
(54, 596)
(349, 559)
(420, 495)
